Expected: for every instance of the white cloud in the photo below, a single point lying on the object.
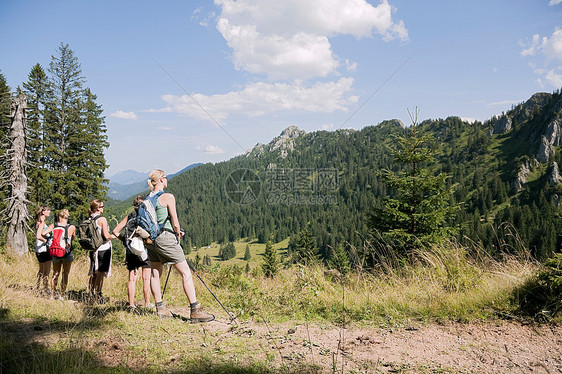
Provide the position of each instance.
(289, 39)
(554, 78)
(258, 99)
(504, 103)
(350, 66)
(547, 54)
(552, 46)
(164, 128)
(210, 149)
(123, 115)
(554, 2)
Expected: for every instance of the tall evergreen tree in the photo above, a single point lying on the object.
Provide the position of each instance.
(340, 260)
(420, 212)
(247, 253)
(270, 264)
(38, 92)
(306, 251)
(75, 136)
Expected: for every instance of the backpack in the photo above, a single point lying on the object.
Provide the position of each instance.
(146, 216)
(58, 243)
(131, 239)
(88, 235)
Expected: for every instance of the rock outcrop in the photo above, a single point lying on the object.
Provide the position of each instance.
(546, 149)
(284, 143)
(521, 179)
(502, 125)
(554, 177)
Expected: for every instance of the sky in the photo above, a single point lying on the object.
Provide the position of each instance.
(182, 82)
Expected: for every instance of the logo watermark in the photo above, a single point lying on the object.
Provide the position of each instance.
(243, 186)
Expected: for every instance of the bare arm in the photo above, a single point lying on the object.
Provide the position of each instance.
(170, 202)
(120, 226)
(72, 231)
(41, 235)
(104, 228)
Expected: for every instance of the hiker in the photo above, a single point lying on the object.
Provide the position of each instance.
(41, 251)
(64, 262)
(100, 258)
(133, 261)
(166, 249)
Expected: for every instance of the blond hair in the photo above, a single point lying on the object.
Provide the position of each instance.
(64, 214)
(154, 178)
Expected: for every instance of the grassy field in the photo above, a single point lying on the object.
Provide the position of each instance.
(256, 252)
(39, 335)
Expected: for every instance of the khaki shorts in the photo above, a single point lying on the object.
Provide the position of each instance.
(165, 249)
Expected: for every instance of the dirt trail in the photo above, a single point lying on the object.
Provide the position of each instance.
(498, 347)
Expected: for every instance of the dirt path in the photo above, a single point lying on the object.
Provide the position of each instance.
(499, 347)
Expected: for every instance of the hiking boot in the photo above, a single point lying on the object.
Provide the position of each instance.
(149, 306)
(199, 315)
(164, 312)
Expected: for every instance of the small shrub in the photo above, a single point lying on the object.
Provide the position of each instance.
(541, 296)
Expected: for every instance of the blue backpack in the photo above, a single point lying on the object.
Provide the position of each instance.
(146, 216)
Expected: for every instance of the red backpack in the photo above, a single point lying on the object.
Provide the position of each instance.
(58, 244)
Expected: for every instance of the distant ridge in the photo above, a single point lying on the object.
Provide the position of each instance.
(129, 182)
(127, 177)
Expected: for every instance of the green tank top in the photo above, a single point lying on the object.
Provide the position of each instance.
(162, 215)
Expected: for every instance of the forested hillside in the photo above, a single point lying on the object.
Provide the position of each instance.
(505, 171)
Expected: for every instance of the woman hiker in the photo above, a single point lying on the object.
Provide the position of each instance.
(64, 262)
(100, 259)
(166, 249)
(134, 262)
(41, 251)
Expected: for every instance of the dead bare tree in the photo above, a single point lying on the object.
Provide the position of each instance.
(16, 179)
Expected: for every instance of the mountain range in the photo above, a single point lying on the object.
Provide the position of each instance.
(130, 182)
(505, 171)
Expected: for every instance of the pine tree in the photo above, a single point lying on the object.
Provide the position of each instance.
(306, 251)
(340, 260)
(270, 264)
(75, 136)
(85, 154)
(420, 212)
(247, 254)
(228, 251)
(207, 261)
(38, 92)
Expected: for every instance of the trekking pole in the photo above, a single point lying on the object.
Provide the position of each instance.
(165, 284)
(231, 316)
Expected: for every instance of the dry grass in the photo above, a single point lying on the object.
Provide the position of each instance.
(43, 335)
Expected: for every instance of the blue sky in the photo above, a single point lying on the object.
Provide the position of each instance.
(200, 81)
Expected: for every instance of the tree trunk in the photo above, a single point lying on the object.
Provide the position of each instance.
(16, 241)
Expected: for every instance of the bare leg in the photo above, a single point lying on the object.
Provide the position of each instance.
(55, 278)
(64, 281)
(131, 286)
(146, 285)
(156, 270)
(46, 272)
(98, 285)
(187, 280)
